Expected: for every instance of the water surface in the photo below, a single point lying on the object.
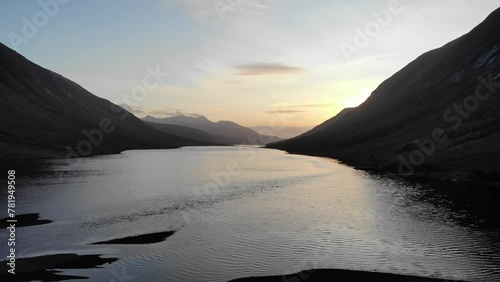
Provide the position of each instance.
(242, 212)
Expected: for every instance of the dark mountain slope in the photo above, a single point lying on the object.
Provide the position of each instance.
(419, 100)
(186, 132)
(225, 132)
(42, 113)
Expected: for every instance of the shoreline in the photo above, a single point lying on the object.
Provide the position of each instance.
(64, 156)
(440, 175)
(338, 275)
(386, 170)
(390, 169)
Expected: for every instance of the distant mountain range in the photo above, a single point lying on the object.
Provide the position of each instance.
(45, 115)
(439, 113)
(224, 132)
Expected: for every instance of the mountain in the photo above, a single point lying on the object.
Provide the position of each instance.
(439, 113)
(186, 132)
(225, 132)
(46, 115)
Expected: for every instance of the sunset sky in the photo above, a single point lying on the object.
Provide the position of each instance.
(245, 61)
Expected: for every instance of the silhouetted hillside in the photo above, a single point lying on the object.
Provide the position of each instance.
(186, 132)
(450, 94)
(43, 113)
(225, 132)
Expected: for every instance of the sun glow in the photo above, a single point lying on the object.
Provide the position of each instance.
(357, 99)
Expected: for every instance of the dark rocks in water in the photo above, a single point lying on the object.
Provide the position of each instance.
(140, 239)
(29, 219)
(43, 268)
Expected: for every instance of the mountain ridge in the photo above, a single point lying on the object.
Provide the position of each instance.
(223, 131)
(406, 108)
(46, 115)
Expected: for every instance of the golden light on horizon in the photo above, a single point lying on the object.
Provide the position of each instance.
(364, 93)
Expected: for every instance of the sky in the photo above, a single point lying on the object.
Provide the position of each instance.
(283, 65)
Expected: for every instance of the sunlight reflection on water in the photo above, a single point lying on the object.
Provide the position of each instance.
(280, 214)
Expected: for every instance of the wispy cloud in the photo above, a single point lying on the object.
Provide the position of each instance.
(136, 110)
(295, 109)
(309, 106)
(166, 112)
(284, 112)
(202, 10)
(286, 109)
(163, 112)
(267, 69)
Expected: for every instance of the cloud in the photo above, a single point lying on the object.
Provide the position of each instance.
(136, 110)
(295, 109)
(267, 69)
(163, 112)
(232, 82)
(166, 112)
(202, 10)
(284, 112)
(308, 106)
